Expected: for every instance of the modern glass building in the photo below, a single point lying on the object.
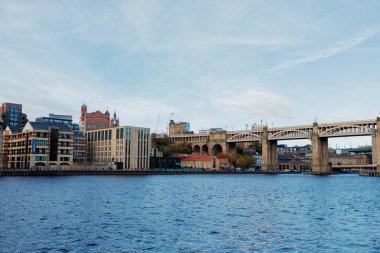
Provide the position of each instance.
(12, 116)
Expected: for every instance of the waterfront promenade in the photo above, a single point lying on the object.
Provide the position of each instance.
(25, 173)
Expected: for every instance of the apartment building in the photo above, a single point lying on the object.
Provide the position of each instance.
(38, 144)
(123, 148)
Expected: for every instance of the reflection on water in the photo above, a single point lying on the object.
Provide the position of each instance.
(190, 213)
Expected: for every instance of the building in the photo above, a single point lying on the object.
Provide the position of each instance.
(179, 127)
(63, 119)
(211, 130)
(94, 120)
(349, 159)
(202, 161)
(126, 148)
(291, 162)
(1, 143)
(114, 120)
(12, 116)
(38, 144)
(158, 161)
(79, 148)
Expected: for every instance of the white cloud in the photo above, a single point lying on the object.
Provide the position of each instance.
(43, 90)
(335, 49)
(252, 103)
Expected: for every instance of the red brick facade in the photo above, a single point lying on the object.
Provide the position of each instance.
(94, 120)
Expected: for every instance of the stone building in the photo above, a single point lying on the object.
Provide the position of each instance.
(126, 148)
(114, 120)
(178, 127)
(349, 159)
(38, 145)
(203, 161)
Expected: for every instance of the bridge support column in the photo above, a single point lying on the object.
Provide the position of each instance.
(376, 145)
(269, 153)
(320, 163)
(231, 148)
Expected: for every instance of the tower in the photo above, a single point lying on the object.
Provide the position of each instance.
(83, 111)
(114, 120)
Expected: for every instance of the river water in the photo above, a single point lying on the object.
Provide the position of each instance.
(190, 213)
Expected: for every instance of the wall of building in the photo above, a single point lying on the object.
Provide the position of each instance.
(33, 148)
(1, 144)
(178, 128)
(126, 147)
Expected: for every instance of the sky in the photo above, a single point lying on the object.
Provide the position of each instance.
(216, 63)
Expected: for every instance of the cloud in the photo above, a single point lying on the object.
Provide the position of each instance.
(252, 103)
(326, 53)
(43, 90)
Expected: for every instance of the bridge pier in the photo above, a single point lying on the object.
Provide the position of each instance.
(376, 146)
(269, 153)
(320, 163)
(231, 148)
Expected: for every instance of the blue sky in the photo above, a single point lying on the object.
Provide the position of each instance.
(212, 63)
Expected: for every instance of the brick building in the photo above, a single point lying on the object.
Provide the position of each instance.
(94, 120)
(38, 145)
(1, 143)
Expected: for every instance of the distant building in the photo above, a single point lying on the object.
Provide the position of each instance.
(114, 120)
(291, 162)
(349, 159)
(38, 145)
(178, 127)
(124, 148)
(12, 116)
(158, 161)
(202, 161)
(94, 120)
(211, 130)
(257, 127)
(1, 142)
(63, 119)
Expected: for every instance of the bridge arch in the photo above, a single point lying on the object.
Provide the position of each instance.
(196, 149)
(244, 137)
(205, 149)
(217, 149)
(346, 129)
(290, 133)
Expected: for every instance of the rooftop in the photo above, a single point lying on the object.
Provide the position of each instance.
(49, 125)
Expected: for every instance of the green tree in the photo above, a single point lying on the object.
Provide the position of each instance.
(222, 156)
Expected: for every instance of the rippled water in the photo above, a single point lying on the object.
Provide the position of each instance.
(190, 213)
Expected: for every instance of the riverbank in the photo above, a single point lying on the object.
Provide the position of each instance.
(31, 173)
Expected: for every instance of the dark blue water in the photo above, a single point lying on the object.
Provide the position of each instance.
(190, 213)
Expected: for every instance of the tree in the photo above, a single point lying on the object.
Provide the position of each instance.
(183, 148)
(232, 158)
(222, 156)
(242, 161)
